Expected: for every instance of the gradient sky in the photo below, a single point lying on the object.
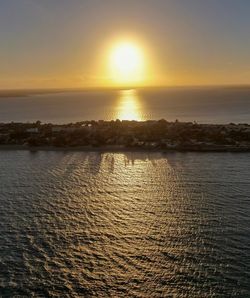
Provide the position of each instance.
(63, 43)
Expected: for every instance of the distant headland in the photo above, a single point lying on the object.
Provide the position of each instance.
(5, 93)
(119, 135)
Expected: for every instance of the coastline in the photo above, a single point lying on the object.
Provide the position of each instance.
(120, 149)
(126, 136)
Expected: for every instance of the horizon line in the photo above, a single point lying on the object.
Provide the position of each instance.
(65, 89)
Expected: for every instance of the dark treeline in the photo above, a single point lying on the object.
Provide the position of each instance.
(131, 134)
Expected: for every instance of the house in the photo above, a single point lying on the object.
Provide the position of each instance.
(32, 130)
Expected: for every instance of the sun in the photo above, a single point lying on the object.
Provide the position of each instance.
(127, 63)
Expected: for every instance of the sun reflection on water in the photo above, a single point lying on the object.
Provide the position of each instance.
(129, 106)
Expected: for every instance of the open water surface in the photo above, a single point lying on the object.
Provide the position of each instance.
(204, 105)
(124, 225)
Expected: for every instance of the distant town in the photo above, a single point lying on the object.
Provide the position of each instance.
(126, 135)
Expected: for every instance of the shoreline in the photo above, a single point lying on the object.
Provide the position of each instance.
(126, 136)
(120, 149)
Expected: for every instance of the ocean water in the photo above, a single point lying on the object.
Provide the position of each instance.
(78, 224)
(204, 105)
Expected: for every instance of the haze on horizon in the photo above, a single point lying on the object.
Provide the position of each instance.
(66, 44)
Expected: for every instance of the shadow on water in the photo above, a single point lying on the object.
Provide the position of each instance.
(131, 224)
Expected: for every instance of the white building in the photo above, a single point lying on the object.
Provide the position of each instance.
(32, 130)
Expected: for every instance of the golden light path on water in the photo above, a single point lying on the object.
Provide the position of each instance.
(131, 224)
(129, 106)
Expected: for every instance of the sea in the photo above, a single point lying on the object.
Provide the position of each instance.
(131, 224)
(134, 224)
(219, 105)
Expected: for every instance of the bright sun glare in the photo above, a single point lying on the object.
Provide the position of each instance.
(127, 63)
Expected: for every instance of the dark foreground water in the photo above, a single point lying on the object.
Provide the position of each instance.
(204, 105)
(124, 225)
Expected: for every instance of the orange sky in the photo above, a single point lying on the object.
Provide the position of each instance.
(66, 44)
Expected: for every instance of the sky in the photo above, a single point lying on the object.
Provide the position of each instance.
(62, 43)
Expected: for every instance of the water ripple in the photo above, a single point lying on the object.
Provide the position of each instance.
(124, 225)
